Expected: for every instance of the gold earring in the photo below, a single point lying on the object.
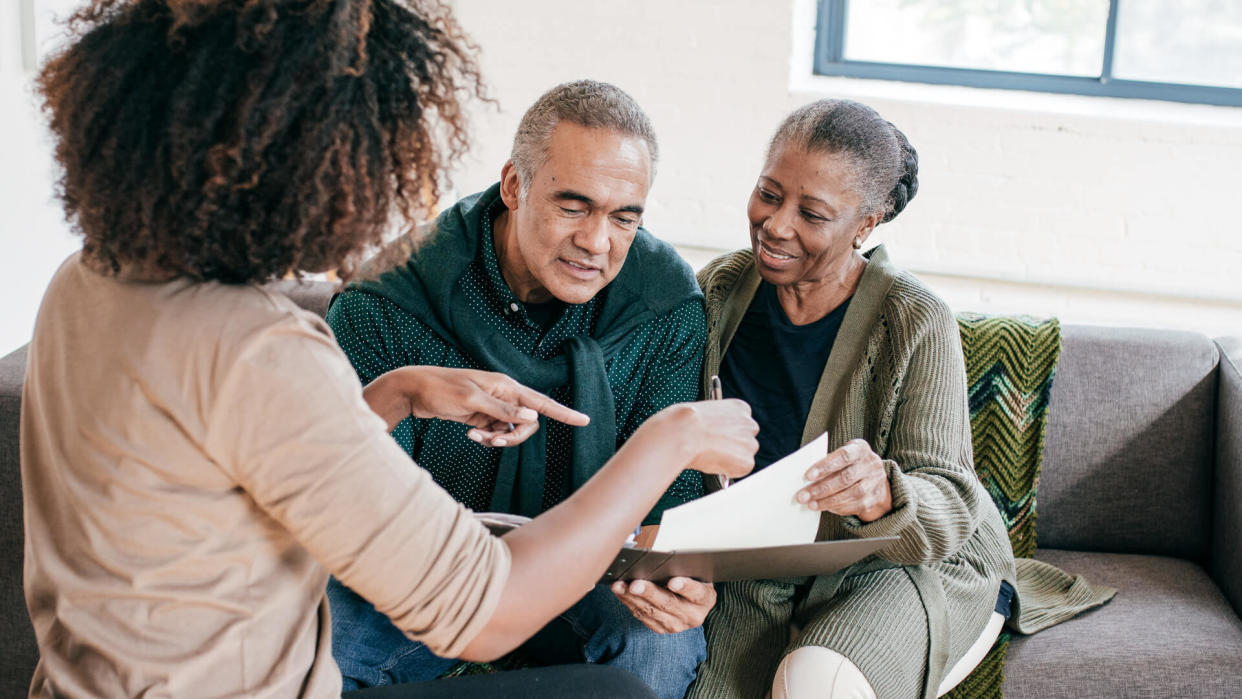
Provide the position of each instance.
(857, 243)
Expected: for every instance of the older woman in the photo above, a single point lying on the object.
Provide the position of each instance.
(197, 454)
(818, 335)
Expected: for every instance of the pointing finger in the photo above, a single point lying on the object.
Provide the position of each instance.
(544, 405)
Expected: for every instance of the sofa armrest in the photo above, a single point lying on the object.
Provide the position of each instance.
(18, 652)
(12, 376)
(1227, 509)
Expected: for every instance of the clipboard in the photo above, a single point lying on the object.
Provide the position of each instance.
(725, 565)
(722, 565)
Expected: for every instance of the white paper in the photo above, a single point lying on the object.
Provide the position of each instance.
(758, 511)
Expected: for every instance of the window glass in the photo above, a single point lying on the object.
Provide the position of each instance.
(1164, 41)
(1059, 37)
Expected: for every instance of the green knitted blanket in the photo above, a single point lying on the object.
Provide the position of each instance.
(1010, 363)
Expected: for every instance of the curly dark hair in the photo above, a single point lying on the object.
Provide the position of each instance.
(240, 140)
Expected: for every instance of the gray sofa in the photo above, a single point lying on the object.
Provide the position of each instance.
(1141, 490)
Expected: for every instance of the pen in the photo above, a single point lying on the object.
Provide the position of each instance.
(718, 394)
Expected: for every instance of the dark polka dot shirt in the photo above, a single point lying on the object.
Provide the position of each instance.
(659, 366)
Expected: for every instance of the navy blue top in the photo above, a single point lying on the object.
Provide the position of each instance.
(775, 366)
(1004, 600)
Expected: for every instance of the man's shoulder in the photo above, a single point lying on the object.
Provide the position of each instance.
(649, 255)
(688, 317)
(358, 311)
(655, 274)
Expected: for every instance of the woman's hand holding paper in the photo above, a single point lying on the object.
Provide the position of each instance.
(502, 411)
(849, 481)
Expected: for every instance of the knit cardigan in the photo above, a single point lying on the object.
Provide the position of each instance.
(896, 378)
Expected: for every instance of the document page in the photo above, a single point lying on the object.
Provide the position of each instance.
(758, 511)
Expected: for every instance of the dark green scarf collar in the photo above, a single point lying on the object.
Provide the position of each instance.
(653, 281)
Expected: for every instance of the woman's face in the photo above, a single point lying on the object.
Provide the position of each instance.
(804, 217)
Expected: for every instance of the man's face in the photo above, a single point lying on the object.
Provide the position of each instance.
(568, 237)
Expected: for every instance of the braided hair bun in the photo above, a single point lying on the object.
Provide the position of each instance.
(883, 166)
(908, 184)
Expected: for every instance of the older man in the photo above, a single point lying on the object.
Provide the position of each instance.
(549, 277)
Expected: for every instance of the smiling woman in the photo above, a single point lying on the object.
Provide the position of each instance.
(816, 334)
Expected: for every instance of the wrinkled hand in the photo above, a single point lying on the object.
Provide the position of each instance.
(849, 481)
(718, 436)
(502, 411)
(682, 605)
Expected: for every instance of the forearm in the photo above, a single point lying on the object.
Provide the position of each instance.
(934, 513)
(558, 556)
(388, 396)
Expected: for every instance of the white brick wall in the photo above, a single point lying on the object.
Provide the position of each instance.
(1042, 204)
(1094, 210)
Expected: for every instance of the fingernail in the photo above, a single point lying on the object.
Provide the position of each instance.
(812, 474)
(475, 436)
(619, 588)
(637, 588)
(803, 496)
(527, 415)
(676, 584)
(501, 442)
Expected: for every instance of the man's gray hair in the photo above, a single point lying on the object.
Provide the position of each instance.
(588, 103)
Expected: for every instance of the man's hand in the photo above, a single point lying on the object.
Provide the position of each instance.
(502, 411)
(683, 605)
(849, 481)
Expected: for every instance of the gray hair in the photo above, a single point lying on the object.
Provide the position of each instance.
(885, 165)
(588, 103)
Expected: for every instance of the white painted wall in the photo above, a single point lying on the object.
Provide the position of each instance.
(1093, 210)
(34, 239)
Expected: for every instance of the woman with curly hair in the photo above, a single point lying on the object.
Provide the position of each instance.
(197, 454)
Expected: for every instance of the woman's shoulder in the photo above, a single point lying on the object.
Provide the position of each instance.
(723, 272)
(913, 306)
(914, 295)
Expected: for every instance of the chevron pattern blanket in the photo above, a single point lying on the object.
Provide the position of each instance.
(1010, 364)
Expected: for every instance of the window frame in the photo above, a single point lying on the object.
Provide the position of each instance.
(829, 60)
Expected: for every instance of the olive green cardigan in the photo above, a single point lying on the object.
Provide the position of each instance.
(896, 378)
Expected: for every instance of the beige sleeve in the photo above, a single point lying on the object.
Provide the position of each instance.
(289, 424)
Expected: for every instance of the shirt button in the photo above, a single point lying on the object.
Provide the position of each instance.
(513, 307)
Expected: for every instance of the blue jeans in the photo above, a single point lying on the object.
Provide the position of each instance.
(371, 652)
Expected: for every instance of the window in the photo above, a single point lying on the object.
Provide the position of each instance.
(1151, 49)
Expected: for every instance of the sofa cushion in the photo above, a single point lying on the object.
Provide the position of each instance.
(1129, 456)
(1169, 632)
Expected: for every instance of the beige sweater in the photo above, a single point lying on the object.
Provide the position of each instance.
(896, 378)
(196, 458)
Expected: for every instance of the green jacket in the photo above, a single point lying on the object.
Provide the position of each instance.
(896, 378)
